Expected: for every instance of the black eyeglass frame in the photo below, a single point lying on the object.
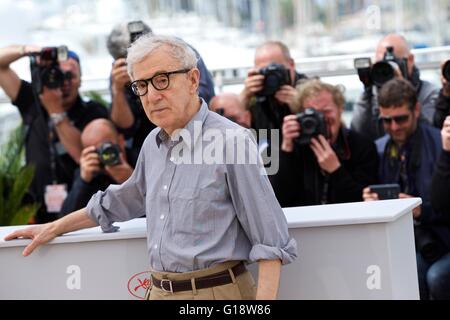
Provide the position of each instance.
(166, 74)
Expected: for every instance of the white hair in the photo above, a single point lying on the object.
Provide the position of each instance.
(147, 44)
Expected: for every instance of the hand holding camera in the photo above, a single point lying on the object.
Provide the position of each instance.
(291, 131)
(273, 80)
(121, 171)
(119, 75)
(89, 164)
(107, 157)
(252, 85)
(382, 71)
(288, 95)
(52, 100)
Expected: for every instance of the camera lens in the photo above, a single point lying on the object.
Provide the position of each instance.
(309, 126)
(109, 154)
(382, 72)
(52, 77)
(271, 84)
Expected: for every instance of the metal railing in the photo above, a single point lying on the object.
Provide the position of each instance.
(329, 66)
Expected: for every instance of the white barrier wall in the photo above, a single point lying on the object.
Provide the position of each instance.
(346, 251)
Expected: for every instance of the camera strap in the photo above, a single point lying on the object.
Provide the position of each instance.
(55, 194)
(52, 149)
(326, 186)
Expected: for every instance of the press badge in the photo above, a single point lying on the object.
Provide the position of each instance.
(54, 197)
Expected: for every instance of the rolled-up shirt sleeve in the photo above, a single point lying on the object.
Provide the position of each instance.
(257, 208)
(120, 202)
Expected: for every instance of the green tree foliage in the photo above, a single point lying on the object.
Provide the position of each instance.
(15, 179)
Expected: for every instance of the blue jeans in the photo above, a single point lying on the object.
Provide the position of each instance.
(434, 278)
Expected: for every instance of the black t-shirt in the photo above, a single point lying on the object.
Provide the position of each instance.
(300, 181)
(37, 146)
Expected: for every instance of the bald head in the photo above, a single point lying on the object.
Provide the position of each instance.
(401, 49)
(99, 131)
(274, 52)
(231, 106)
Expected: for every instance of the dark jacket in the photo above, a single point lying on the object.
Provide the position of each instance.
(37, 145)
(268, 113)
(442, 110)
(300, 181)
(81, 191)
(440, 199)
(422, 150)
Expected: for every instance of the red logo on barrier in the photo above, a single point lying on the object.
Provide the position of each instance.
(138, 284)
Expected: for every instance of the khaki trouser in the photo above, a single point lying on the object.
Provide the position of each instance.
(242, 288)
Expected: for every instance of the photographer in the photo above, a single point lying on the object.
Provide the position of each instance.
(408, 153)
(366, 110)
(269, 91)
(321, 161)
(438, 273)
(443, 100)
(53, 114)
(230, 106)
(104, 161)
(126, 110)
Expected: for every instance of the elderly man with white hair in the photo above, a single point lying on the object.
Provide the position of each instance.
(205, 221)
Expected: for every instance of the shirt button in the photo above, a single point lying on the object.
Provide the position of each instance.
(165, 187)
(155, 246)
(162, 217)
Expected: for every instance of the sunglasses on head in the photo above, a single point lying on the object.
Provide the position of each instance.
(397, 119)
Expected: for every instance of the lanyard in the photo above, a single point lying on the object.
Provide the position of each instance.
(52, 149)
(326, 186)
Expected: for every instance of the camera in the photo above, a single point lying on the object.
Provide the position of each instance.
(45, 71)
(446, 70)
(312, 123)
(109, 154)
(386, 191)
(275, 76)
(136, 29)
(382, 71)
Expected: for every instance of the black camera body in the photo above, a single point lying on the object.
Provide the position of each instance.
(312, 124)
(136, 29)
(446, 70)
(382, 71)
(386, 191)
(45, 70)
(275, 76)
(109, 154)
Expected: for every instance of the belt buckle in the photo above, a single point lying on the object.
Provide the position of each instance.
(170, 285)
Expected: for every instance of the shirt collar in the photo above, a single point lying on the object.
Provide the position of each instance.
(197, 121)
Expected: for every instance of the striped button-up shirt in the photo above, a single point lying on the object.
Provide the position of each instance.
(205, 199)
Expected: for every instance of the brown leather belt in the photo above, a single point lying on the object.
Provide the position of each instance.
(213, 280)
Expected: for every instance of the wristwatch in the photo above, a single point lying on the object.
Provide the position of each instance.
(58, 117)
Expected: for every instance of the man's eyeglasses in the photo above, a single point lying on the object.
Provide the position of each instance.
(160, 81)
(401, 119)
